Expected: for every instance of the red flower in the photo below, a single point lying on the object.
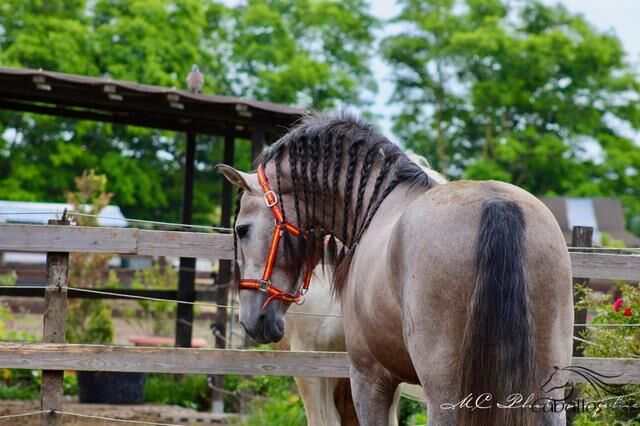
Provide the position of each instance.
(617, 304)
(627, 312)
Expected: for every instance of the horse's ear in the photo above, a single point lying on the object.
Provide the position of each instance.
(234, 176)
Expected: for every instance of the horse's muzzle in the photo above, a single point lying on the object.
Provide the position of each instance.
(267, 328)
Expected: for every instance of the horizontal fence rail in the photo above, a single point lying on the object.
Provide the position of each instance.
(601, 266)
(44, 238)
(37, 356)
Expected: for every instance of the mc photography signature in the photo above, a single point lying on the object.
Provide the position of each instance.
(612, 395)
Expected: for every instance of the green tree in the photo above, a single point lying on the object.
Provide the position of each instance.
(518, 91)
(307, 53)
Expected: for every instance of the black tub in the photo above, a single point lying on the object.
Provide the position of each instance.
(101, 387)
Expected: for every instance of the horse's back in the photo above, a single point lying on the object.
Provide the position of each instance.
(447, 217)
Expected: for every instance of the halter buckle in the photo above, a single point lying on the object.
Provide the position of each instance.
(264, 285)
(266, 198)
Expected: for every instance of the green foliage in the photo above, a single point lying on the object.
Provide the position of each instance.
(185, 391)
(9, 278)
(275, 401)
(518, 91)
(607, 240)
(307, 52)
(90, 321)
(411, 412)
(312, 53)
(417, 419)
(612, 342)
(156, 316)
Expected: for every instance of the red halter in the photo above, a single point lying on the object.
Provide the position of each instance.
(264, 284)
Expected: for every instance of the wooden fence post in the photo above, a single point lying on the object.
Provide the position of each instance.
(582, 236)
(54, 324)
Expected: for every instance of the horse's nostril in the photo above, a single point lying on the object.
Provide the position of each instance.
(279, 325)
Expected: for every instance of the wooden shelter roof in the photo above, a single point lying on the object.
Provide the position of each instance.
(124, 102)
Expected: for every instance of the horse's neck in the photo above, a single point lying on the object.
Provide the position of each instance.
(394, 205)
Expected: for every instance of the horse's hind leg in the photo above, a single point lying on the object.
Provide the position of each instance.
(436, 398)
(373, 392)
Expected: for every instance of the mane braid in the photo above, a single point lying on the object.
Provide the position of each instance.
(382, 174)
(313, 153)
(287, 240)
(337, 155)
(348, 187)
(362, 185)
(277, 161)
(293, 169)
(326, 151)
(302, 152)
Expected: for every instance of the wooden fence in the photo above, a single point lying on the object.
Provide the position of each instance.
(53, 356)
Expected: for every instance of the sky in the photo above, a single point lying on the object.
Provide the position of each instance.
(619, 16)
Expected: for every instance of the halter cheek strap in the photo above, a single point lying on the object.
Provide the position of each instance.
(264, 284)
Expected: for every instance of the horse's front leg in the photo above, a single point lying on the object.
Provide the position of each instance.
(373, 394)
(317, 396)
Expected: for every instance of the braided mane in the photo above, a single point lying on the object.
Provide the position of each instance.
(321, 150)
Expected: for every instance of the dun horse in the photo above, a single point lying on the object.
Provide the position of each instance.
(464, 288)
(328, 401)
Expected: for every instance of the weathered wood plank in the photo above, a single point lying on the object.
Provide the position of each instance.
(606, 266)
(38, 356)
(226, 361)
(629, 369)
(44, 238)
(185, 244)
(60, 238)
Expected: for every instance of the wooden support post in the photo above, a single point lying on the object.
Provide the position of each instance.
(257, 140)
(582, 237)
(187, 274)
(224, 275)
(55, 318)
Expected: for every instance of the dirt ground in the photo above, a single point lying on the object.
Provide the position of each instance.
(147, 413)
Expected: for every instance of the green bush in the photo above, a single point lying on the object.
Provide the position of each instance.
(155, 316)
(411, 412)
(275, 401)
(612, 342)
(186, 391)
(9, 278)
(89, 321)
(272, 400)
(20, 384)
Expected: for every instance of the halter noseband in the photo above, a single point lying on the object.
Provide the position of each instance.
(264, 284)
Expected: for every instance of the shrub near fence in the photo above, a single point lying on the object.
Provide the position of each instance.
(53, 356)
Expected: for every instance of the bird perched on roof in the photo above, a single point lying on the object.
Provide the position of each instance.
(195, 79)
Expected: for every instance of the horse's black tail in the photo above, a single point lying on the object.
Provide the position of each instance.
(498, 350)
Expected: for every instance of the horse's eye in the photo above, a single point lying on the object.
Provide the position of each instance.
(242, 230)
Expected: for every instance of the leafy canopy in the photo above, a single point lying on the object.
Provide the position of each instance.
(517, 91)
(311, 53)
